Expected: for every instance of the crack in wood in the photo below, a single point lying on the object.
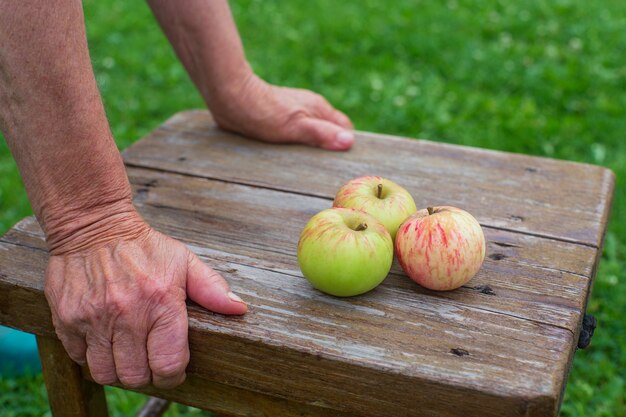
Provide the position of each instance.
(22, 245)
(540, 235)
(506, 245)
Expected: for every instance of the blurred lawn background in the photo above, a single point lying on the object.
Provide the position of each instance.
(537, 77)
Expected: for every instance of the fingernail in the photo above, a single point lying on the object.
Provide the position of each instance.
(345, 138)
(234, 297)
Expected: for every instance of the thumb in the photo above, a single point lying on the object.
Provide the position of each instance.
(324, 134)
(207, 288)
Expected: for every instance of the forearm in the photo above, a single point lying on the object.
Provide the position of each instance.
(205, 38)
(54, 122)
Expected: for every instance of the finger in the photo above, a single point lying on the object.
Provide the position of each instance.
(100, 360)
(65, 317)
(326, 111)
(74, 345)
(168, 349)
(327, 135)
(341, 119)
(207, 288)
(130, 356)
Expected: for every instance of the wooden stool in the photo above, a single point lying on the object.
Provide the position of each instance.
(501, 345)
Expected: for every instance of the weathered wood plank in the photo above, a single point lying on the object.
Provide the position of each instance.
(154, 407)
(527, 194)
(68, 393)
(502, 245)
(229, 401)
(238, 239)
(283, 298)
(346, 348)
(250, 234)
(399, 350)
(260, 223)
(262, 229)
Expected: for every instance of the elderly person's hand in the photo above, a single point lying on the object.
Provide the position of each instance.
(280, 114)
(205, 38)
(117, 298)
(117, 288)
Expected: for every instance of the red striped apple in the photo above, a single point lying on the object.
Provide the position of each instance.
(344, 252)
(440, 248)
(382, 198)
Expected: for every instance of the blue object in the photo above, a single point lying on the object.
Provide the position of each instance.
(18, 352)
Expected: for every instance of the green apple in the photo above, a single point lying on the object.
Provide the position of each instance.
(382, 198)
(345, 252)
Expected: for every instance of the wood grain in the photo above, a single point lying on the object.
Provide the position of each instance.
(154, 407)
(539, 196)
(191, 209)
(242, 352)
(500, 345)
(390, 331)
(69, 393)
(229, 401)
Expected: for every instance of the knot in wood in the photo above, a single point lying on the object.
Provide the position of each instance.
(459, 352)
(485, 289)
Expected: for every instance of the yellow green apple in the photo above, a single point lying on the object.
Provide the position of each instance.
(344, 252)
(384, 199)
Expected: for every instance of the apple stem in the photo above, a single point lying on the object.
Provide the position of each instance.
(430, 210)
(380, 190)
(361, 226)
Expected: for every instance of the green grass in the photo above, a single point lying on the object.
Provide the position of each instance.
(26, 396)
(537, 77)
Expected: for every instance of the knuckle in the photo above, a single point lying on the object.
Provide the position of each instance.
(118, 304)
(169, 365)
(134, 379)
(68, 317)
(103, 376)
(162, 295)
(192, 258)
(75, 351)
(63, 313)
(158, 292)
(320, 104)
(340, 116)
(76, 356)
(169, 383)
(214, 279)
(297, 116)
(320, 101)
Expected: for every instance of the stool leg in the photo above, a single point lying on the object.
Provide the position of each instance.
(154, 407)
(69, 394)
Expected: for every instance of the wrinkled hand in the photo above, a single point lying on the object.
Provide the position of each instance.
(259, 110)
(120, 306)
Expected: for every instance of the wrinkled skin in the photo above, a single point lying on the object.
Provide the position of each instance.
(120, 306)
(283, 115)
(116, 287)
